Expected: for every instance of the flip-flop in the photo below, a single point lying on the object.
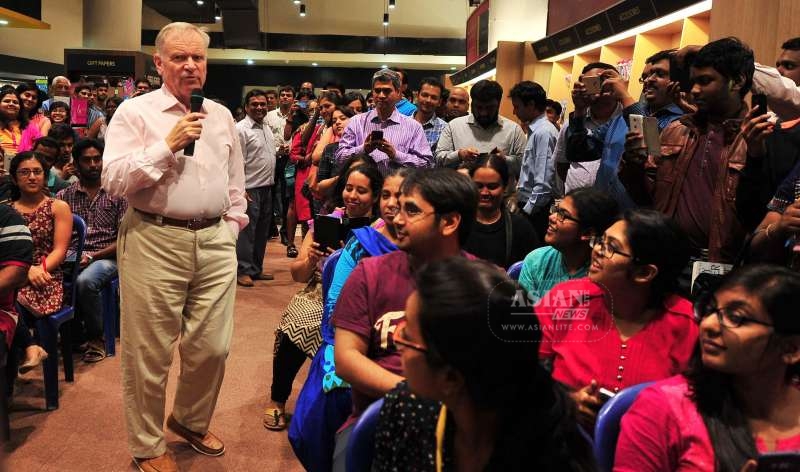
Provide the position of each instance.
(275, 419)
(94, 354)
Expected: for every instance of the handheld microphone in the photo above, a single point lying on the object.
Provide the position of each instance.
(196, 101)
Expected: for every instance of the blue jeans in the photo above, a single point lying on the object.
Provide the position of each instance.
(89, 285)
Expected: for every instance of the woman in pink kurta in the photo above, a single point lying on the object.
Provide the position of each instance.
(740, 398)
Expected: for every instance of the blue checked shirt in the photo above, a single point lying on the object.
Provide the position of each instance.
(433, 129)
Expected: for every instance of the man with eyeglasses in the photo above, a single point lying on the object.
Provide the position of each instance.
(437, 211)
(392, 139)
(258, 148)
(658, 79)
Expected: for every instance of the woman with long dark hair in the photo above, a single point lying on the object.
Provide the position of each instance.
(327, 168)
(740, 398)
(624, 324)
(298, 335)
(16, 133)
(473, 399)
(30, 98)
(498, 236)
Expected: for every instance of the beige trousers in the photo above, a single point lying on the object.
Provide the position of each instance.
(174, 283)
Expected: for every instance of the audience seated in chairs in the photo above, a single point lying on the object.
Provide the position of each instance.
(66, 138)
(298, 336)
(325, 394)
(437, 211)
(581, 215)
(50, 150)
(623, 325)
(498, 236)
(500, 409)
(50, 225)
(98, 265)
(739, 398)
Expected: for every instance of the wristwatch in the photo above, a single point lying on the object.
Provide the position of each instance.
(91, 259)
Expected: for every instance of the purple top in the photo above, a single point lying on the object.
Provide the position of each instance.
(403, 132)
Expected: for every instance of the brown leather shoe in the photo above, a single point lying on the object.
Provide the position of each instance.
(162, 463)
(245, 281)
(264, 276)
(207, 444)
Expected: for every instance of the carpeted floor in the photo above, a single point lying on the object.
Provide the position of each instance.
(87, 432)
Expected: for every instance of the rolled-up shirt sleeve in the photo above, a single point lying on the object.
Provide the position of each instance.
(783, 95)
(128, 164)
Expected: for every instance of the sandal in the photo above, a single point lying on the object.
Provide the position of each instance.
(275, 419)
(34, 360)
(291, 251)
(94, 353)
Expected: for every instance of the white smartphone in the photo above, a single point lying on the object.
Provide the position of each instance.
(636, 123)
(652, 138)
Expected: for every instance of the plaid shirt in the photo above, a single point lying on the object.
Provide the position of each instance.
(102, 216)
(433, 129)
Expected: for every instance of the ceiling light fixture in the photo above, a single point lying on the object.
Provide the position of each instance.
(384, 66)
(250, 62)
(385, 19)
(453, 68)
(391, 3)
(3, 22)
(297, 2)
(302, 10)
(314, 64)
(200, 2)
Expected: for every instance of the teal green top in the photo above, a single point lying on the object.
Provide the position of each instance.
(543, 268)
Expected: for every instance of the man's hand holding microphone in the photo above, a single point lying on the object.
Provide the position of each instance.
(187, 130)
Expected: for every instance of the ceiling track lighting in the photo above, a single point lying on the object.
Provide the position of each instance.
(302, 9)
(385, 19)
(392, 3)
(297, 2)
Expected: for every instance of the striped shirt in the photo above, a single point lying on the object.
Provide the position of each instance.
(405, 134)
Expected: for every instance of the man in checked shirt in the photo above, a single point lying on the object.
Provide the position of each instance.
(102, 213)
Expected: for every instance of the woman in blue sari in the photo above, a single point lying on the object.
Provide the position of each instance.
(324, 402)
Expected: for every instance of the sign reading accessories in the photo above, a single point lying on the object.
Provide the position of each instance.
(617, 19)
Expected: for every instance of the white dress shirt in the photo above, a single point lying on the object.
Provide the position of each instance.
(258, 149)
(138, 164)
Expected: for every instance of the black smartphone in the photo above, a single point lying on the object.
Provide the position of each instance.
(778, 462)
(376, 135)
(760, 100)
(330, 230)
(605, 394)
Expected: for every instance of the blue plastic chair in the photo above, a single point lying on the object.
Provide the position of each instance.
(515, 270)
(361, 444)
(606, 430)
(48, 328)
(110, 296)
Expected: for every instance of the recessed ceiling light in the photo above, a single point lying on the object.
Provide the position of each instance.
(453, 68)
(391, 3)
(302, 10)
(3, 22)
(314, 64)
(384, 66)
(217, 18)
(297, 2)
(250, 62)
(200, 2)
(385, 19)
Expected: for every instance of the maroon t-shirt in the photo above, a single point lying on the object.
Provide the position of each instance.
(371, 304)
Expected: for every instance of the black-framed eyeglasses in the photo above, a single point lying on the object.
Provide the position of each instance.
(561, 214)
(730, 317)
(400, 339)
(605, 249)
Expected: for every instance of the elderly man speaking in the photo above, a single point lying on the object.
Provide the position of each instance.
(176, 247)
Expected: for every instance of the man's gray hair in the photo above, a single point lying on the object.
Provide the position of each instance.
(179, 27)
(387, 75)
(59, 78)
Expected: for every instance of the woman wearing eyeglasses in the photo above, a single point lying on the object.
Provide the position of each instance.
(50, 223)
(497, 236)
(740, 397)
(475, 397)
(583, 213)
(623, 325)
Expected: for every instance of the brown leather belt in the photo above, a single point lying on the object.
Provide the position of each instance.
(193, 224)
